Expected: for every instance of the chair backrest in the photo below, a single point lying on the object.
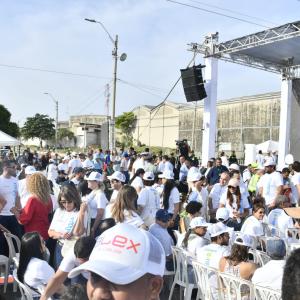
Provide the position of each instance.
(263, 293)
(10, 238)
(180, 264)
(260, 257)
(292, 235)
(236, 288)
(25, 291)
(203, 274)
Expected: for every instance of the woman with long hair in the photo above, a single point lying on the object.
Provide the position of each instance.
(137, 180)
(35, 215)
(69, 220)
(124, 208)
(171, 201)
(235, 202)
(96, 200)
(33, 269)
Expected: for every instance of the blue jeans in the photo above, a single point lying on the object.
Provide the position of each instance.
(57, 255)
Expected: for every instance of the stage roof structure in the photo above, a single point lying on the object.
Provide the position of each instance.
(274, 50)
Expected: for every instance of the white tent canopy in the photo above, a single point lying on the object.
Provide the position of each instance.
(7, 140)
(267, 146)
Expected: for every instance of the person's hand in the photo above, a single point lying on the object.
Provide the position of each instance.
(15, 211)
(67, 235)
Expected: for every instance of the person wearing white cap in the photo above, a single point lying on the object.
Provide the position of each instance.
(51, 171)
(198, 193)
(271, 183)
(148, 201)
(88, 162)
(96, 200)
(22, 185)
(63, 166)
(235, 202)
(237, 263)
(127, 263)
(170, 200)
(75, 162)
(195, 236)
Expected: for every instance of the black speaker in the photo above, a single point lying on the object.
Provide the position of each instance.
(192, 82)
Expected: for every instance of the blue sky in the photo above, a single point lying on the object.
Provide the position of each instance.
(52, 35)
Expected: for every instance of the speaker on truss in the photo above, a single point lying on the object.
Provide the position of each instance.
(193, 84)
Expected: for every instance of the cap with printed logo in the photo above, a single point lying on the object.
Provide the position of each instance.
(198, 222)
(94, 176)
(123, 254)
(117, 176)
(148, 176)
(29, 170)
(167, 174)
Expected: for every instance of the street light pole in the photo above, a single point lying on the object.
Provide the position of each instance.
(112, 137)
(56, 116)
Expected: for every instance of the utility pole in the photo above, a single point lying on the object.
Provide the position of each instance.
(56, 116)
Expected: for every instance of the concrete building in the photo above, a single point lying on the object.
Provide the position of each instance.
(244, 120)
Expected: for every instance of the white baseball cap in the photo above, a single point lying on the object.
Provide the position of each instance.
(234, 182)
(29, 170)
(194, 176)
(234, 167)
(167, 174)
(245, 240)
(148, 176)
(269, 162)
(123, 254)
(198, 222)
(217, 229)
(117, 176)
(94, 176)
(222, 214)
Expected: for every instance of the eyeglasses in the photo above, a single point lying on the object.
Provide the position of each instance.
(231, 187)
(65, 202)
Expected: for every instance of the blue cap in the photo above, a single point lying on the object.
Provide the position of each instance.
(78, 170)
(125, 154)
(162, 215)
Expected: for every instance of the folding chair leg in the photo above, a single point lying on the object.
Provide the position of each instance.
(172, 290)
(6, 274)
(188, 293)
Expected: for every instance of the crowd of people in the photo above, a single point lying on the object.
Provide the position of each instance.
(101, 225)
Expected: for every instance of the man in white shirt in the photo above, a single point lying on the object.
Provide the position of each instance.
(82, 250)
(63, 166)
(270, 275)
(75, 162)
(184, 168)
(124, 165)
(216, 193)
(9, 198)
(296, 182)
(167, 164)
(88, 163)
(272, 183)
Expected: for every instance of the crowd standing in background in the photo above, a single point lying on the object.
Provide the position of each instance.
(86, 215)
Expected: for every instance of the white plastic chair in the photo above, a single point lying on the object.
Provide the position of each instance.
(236, 288)
(292, 235)
(203, 275)
(4, 261)
(25, 291)
(181, 274)
(260, 257)
(263, 293)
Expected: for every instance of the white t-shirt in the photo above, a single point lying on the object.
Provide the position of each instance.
(9, 191)
(64, 221)
(88, 164)
(138, 164)
(211, 254)
(124, 164)
(52, 172)
(38, 273)
(243, 204)
(149, 199)
(137, 182)
(173, 199)
(196, 242)
(63, 167)
(270, 182)
(132, 218)
(295, 181)
(168, 166)
(96, 200)
(253, 227)
(270, 275)
(23, 193)
(163, 236)
(215, 194)
(279, 219)
(200, 197)
(74, 163)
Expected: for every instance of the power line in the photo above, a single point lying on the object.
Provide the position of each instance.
(53, 71)
(218, 13)
(233, 11)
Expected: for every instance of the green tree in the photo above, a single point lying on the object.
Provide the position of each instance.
(6, 125)
(125, 123)
(39, 126)
(64, 133)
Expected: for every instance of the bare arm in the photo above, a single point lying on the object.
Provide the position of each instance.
(79, 226)
(100, 213)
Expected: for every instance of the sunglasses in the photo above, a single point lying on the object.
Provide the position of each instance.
(231, 187)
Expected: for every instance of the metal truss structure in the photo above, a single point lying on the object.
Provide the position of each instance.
(274, 50)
